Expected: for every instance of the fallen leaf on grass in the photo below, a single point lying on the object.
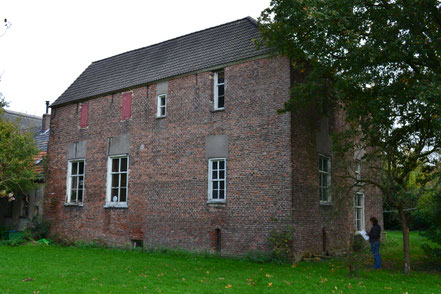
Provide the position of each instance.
(28, 279)
(228, 286)
(388, 288)
(270, 284)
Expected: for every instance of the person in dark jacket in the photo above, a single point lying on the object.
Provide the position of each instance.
(374, 239)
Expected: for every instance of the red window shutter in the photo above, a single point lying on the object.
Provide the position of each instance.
(126, 105)
(83, 117)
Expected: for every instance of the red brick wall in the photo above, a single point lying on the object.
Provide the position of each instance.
(272, 170)
(167, 202)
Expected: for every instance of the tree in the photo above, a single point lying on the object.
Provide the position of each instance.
(379, 63)
(17, 151)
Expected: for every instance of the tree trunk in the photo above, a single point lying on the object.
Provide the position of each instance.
(406, 241)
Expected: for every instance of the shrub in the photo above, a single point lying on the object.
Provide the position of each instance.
(39, 230)
(281, 244)
(258, 256)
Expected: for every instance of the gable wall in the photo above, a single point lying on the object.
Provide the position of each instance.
(167, 199)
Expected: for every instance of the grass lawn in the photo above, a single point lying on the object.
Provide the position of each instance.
(36, 268)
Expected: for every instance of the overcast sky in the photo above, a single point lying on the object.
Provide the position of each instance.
(50, 43)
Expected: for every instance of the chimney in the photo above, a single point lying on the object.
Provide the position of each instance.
(46, 119)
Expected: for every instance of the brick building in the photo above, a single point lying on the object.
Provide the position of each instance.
(179, 144)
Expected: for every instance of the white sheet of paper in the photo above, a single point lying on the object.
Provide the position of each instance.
(364, 235)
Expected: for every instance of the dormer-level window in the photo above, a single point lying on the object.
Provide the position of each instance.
(219, 90)
(162, 106)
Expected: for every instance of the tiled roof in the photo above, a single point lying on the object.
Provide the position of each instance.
(201, 50)
(26, 122)
(41, 140)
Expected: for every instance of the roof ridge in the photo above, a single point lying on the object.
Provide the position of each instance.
(22, 114)
(252, 20)
(249, 18)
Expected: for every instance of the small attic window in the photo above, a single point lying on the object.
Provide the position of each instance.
(219, 90)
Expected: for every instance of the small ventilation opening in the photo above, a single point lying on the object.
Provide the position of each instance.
(218, 240)
(137, 244)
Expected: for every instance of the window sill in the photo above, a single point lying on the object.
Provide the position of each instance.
(216, 203)
(116, 205)
(161, 117)
(217, 110)
(326, 203)
(74, 204)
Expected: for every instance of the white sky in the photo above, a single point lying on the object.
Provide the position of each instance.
(50, 43)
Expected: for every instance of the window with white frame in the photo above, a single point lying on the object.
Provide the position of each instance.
(325, 179)
(75, 181)
(117, 180)
(359, 212)
(217, 179)
(219, 90)
(357, 170)
(162, 106)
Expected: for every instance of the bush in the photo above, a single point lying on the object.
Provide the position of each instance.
(433, 254)
(281, 243)
(16, 241)
(40, 229)
(258, 256)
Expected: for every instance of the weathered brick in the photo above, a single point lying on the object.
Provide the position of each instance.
(272, 172)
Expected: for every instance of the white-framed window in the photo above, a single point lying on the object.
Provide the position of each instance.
(325, 179)
(117, 180)
(217, 180)
(75, 181)
(219, 90)
(357, 170)
(162, 106)
(359, 219)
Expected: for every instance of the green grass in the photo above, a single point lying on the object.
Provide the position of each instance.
(53, 269)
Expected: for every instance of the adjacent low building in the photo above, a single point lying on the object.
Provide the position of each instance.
(179, 144)
(18, 215)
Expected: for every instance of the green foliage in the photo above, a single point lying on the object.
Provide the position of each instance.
(379, 64)
(17, 151)
(431, 209)
(281, 244)
(18, 240)
(39, 229)
(261, 257)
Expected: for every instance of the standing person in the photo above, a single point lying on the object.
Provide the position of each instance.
(374, 240)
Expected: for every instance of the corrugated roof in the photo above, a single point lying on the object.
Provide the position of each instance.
(204, 49)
